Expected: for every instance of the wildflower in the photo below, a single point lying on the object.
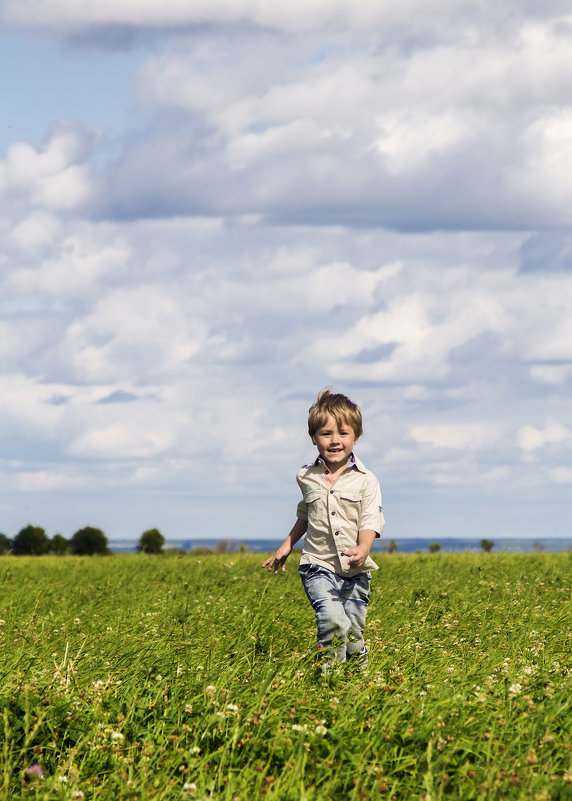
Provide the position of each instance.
(514, 689)
(190, 788)
(117, 736)
(195, 750)
(77, 795)
(321, 730)
(210, 690)
(188, 708)
(77, 621)
(298, 727)
(232, 707)
(34, 772)
(2, 622)
(63, 779)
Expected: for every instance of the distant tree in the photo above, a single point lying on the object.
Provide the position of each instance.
(89, 541)
(5, 544)
(392, 546)
(31, 540)
(151, 541)
(487, 545)
(59, 545)
(434, 547)
(538, 546)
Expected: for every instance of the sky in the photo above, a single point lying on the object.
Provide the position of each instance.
(210, 211)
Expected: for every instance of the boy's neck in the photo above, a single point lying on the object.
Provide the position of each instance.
(334, 472)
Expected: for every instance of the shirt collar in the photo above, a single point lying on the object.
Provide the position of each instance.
(353, 461)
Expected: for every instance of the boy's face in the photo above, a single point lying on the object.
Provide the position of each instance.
(335, 443)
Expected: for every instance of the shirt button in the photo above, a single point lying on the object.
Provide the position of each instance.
(331, 492)
(333, 513)
(336, 533)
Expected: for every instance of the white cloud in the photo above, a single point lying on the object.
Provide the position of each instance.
(408, 139)
(298, 15)
(48, 481)
(49, 177)
(530, 439)
(561, 475)
(458, 436)
(147, 330)
(551, 373)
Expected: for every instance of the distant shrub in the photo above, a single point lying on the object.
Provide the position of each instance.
(89, 541)
(31, 541)
(59, 545)
(151, 541)
(5, 544)
(434, 547)
(227, 546)
(392, 546)
(487, 545)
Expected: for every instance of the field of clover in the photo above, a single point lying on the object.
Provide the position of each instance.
(157, 677)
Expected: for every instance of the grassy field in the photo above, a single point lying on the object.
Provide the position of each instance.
(134, 677)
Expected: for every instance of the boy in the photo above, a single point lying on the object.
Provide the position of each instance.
(340, 513)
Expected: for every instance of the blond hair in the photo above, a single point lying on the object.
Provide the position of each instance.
(342, 409)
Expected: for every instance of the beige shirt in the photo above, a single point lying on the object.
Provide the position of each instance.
(337, 513)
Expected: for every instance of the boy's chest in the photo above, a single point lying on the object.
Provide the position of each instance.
(334, 501)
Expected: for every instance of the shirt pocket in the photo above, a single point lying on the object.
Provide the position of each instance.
(314, 504)
(350, 502)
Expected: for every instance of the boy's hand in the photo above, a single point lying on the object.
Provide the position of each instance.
(278, 560)
(356, 555)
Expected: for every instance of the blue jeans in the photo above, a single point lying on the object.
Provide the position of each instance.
(340, 604)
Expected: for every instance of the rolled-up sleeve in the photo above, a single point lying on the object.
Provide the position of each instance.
(371, 512)
(302, 510)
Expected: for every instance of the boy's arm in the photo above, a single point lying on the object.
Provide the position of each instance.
(359, 553)
(279, 558)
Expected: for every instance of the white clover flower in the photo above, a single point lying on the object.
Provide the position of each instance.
(299, 727)
(232, 707)
(195, 750)
(210, 690)
(117, 736)
(2, 622)
(514, 689)
(190, 787)
(77, 795)
(63, 779)
(321, 730)
(188, 708)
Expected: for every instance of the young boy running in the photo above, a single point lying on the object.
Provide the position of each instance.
(340, 514)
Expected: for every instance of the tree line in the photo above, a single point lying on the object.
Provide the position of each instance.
(87, 541)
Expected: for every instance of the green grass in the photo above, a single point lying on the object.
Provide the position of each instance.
(133, 677)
